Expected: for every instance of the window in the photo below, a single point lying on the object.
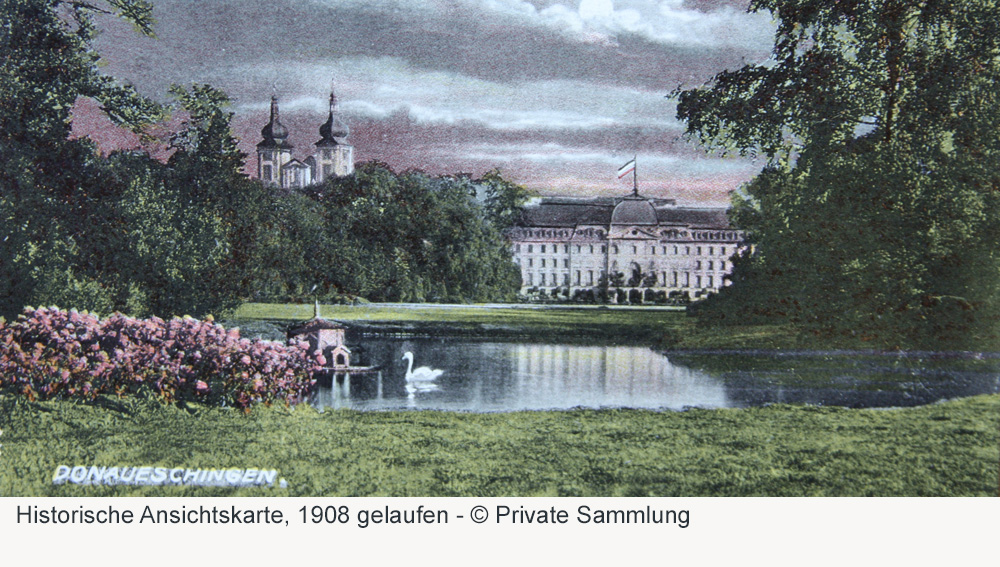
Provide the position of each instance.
(635, 249)
(578, 277)
(675, 249)
(327, 170)
(664, 249)
(543, 249)
(711, 266)
(543, 262)
(566, 279)
(710, 281)
(699, 250)
(722, 265)
(565, 262)
(267, 173)
(652, 250)
(566, 249)
(531, 262)
(517, 248)
(687, 279)
(590, 277)
(577, 248)
(722, 251)
(711, 250)
(530, 249)
(604, 248)
(697, 281)
(591, 248)
(675, 279)
(687, 250)
(528, 280)
(697, 265)
(614, 249)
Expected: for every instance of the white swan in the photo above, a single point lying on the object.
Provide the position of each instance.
(422, 374)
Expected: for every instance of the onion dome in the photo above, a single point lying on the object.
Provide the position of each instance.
(274, 134)
(634, 209)
(334, 127)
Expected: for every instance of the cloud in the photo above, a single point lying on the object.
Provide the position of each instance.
(378, 88)
(546, 88)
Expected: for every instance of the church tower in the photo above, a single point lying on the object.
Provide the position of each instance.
(334, 156)
(274, 151)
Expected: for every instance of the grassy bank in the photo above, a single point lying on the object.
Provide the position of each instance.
(944, 449)
(657, 327)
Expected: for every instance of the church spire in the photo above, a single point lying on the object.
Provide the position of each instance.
(334, 127)
(274, 133)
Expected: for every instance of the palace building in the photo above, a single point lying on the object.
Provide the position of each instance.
(334, 157)
(634, 247)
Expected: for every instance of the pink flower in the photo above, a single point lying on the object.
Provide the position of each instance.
(200, 386)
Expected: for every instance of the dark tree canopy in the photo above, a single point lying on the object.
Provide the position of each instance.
(877, 213)
(194, 235)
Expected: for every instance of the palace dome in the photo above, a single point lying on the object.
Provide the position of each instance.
(634, 209)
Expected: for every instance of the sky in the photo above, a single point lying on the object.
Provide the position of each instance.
(556, 94)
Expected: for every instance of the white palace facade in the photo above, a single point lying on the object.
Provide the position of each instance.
(634, 247)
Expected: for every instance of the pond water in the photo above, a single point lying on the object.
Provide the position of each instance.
(510, 376)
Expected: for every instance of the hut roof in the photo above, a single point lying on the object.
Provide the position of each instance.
(314, 325)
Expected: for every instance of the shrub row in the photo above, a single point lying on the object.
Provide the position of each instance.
(48, 353)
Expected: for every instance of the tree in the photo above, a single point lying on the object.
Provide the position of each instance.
(50, 185)
(392, 237)
(876, 213)
(503, 199)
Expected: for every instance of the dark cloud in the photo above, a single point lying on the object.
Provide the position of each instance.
(539, 87)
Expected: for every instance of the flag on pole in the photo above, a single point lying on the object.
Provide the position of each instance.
(626, 169)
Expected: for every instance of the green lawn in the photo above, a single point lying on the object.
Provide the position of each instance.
(656, 327)
(946, 449)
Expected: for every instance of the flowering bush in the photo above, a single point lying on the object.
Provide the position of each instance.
(50, 353)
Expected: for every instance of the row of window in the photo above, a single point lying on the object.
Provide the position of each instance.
(543, 249)
(677, 279)
(554, 263)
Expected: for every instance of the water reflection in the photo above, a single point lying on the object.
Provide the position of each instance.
(510, 376)
(513, 376)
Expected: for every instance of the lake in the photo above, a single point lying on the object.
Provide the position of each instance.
(512, 376)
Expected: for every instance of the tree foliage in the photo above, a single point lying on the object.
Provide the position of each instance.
(50, 185)
(392, 237)
(877, 211)
(194, 235)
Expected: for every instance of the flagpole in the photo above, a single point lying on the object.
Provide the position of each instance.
(635, 176)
